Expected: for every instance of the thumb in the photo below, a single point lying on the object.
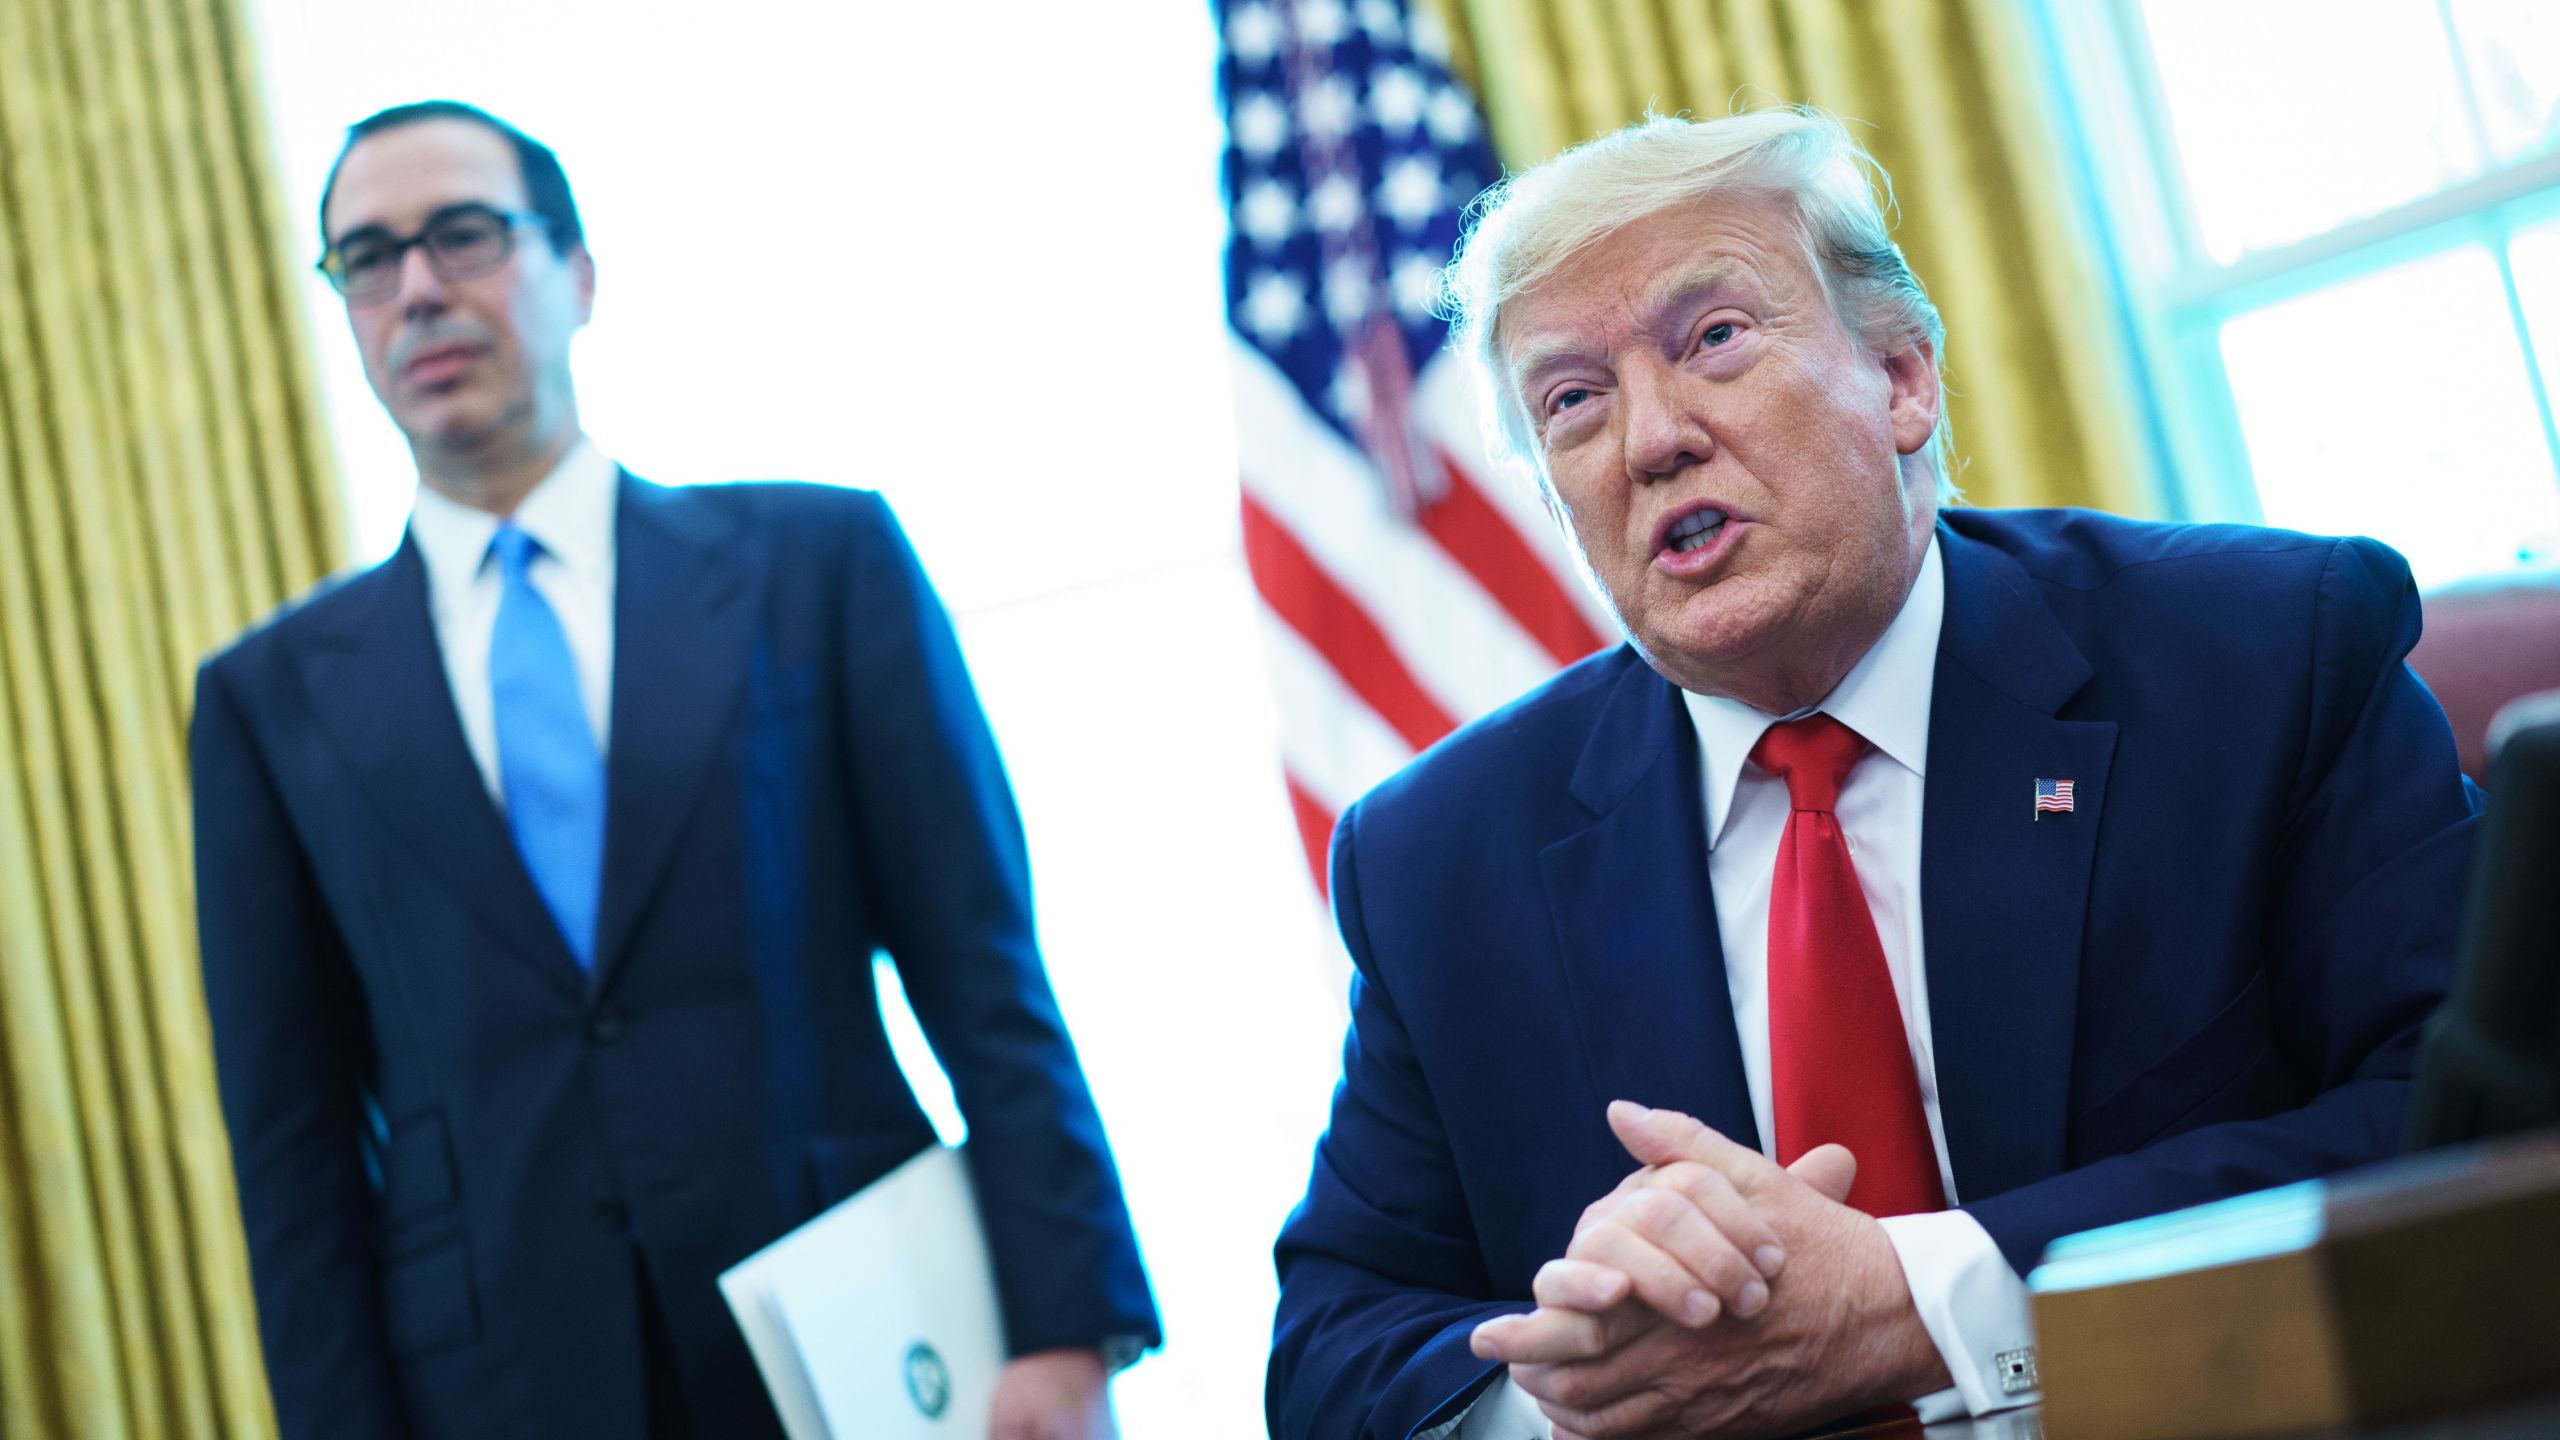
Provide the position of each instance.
(1829, 1169)
(1658, 1137)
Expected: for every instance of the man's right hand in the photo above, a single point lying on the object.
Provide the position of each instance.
(1673, 1243)
(1689, 1243)
(1603, 1360)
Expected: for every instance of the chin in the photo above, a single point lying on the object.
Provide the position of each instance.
(1721, 623)
(1703, 652)
(461, 427)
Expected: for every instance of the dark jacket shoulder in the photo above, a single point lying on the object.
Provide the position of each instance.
(1526, 750)
(337, 603)
(2090, 550)
(2241, 595)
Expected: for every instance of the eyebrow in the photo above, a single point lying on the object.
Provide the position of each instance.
(373, 228)
(1674, 290)
(1679, 288)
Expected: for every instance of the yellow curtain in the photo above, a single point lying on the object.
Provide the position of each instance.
(164, 479)
(1956, 111)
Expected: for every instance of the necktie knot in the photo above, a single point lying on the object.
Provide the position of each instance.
(1814, 756)
(514, 550)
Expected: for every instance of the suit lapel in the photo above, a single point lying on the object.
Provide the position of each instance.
(1634, 921)
(2004, 892)
(682, 632)
(378, 686)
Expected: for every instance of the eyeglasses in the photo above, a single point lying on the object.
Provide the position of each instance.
(463, 242)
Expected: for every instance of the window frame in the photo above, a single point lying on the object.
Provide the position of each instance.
(2174, 298)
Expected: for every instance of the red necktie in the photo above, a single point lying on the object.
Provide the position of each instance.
(1840, 1066)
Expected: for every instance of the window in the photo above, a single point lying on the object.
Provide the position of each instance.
(2336, 233)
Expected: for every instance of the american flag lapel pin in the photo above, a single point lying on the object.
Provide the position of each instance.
(2053, 796)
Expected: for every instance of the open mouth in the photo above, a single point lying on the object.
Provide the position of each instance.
(1695, 531)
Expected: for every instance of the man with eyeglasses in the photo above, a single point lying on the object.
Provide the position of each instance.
(540, 870)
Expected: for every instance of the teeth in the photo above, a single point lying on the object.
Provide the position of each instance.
(1696, 529)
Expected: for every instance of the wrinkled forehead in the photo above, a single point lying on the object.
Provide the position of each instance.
(396, 178)
(1738, 247)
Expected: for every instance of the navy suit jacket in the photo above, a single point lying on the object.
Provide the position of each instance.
(2206, 979)
(456, 1150)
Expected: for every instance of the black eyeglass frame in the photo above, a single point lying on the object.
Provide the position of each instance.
(332, 265)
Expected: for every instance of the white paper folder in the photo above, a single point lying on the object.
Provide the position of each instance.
(878, 1319)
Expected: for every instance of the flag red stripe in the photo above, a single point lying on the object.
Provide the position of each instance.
(1488, 547)
(1315, 830)
(1309, 601)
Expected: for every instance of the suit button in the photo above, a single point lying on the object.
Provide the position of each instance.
(612, 1216)
(606, 1027)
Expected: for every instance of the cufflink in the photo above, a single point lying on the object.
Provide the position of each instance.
(2017, 1370)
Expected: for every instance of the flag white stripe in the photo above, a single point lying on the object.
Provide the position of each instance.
(1336, 746)
(1460, 644)
(1445, 407)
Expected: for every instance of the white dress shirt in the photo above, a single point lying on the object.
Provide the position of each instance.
(1973, 1305)
(570, 515)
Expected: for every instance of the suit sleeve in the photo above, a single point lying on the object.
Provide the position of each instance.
(2363, 902)
(289, 1035)
(950, 877)
(1381, 1276)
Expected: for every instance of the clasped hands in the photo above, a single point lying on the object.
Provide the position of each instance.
(1715, 1292)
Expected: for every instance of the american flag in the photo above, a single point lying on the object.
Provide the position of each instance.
(1404, 590)
(2053, 796)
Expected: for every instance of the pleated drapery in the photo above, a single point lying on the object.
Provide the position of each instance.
(164, 480)
(1955, 107)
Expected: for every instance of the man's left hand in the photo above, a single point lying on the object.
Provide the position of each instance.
(1054, 1395)
(1839, 1332)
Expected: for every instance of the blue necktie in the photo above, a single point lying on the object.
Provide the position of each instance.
(548, 767)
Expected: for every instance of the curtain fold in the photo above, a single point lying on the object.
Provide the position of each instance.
(1949, 97)
(164, 479)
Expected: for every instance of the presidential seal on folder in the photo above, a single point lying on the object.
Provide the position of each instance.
(878, 1318)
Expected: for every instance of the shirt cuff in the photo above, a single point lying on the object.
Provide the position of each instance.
(1503, 1412)
(1975, 1309)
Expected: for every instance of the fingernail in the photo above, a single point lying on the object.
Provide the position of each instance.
(1640, 1110)
(1697, 1307)
(1770, 1259)
(1753, 1299)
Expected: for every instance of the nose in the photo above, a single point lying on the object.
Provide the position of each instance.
(421, 289)
(1665, 422)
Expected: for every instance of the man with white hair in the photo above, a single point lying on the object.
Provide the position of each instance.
(1945, 881)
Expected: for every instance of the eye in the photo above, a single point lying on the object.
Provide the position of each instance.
(463, 234)
(363, 257)
(1566, 399)
(1717, 334)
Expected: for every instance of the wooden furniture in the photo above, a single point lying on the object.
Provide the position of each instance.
(2535, 1417)
(2405, 1290)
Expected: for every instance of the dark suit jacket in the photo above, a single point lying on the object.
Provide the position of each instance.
(2206, 979)
(452, 1144)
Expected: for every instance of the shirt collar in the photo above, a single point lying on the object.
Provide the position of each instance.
(570, 514)
(1885, 697)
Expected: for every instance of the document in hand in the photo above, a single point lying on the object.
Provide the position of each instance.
(878, 1318)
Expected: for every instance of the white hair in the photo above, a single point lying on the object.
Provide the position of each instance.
(1522, 229)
